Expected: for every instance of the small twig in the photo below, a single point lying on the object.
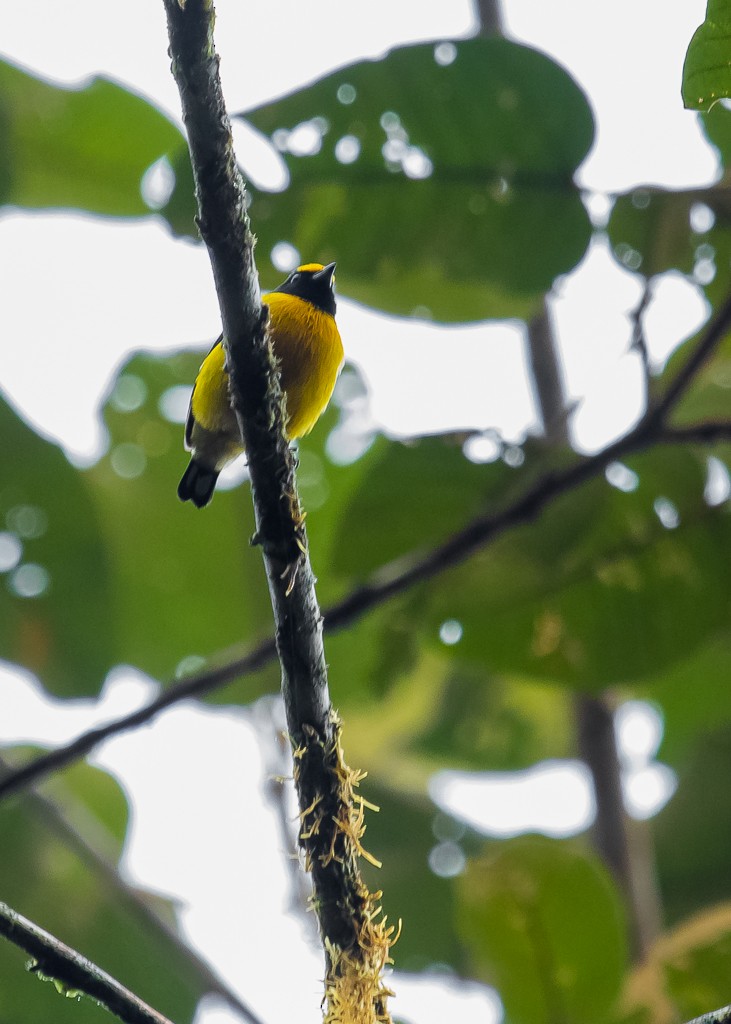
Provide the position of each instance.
(696, 433)
(709, 339)
(72, 971)
(197, 685)
(639, 340)
(51, 817)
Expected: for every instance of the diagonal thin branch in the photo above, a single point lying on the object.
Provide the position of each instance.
(195, 686)
(51, 817)
(386, 582)
(402, 573)
(55, 960)
(696, 433)
(711, 337)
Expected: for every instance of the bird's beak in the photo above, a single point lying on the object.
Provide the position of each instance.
(326, 274)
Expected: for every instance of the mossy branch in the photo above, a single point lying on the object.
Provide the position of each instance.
(330, 814)
(71, 972)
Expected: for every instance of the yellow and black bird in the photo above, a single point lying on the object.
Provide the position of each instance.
(309, 351)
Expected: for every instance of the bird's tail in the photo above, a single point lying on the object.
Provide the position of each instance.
(197, 484)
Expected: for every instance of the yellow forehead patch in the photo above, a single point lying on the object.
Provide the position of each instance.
(311, 267)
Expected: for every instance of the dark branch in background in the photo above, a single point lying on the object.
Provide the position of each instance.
(711, 337)
(489, 17)
(195, 686)
(594, 720)
(50, 816)
(329, 822)
(595, 735)
(545, 370)
(625, 846)
(72, 971)
(639, 341)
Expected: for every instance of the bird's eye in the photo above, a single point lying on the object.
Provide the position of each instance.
(295, 277)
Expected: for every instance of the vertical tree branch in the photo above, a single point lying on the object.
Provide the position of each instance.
(356, 941)
(624, 846)
(489, 17)
(545, 371)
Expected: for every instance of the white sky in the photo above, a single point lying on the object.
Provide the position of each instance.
(108, 288)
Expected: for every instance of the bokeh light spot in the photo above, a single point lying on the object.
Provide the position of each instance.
(667, 512)
(346, 94)
(450, 632)
(28, 521)
(621, 477)
(481, 448)
(347, 149)
(447, 859)
(173, 403)
(11, 551)
(129, 393)
(30, 580)
(128, 461)
(158, 183)
(284, 257)
(445, 54)
(701, 218)
(718, 482)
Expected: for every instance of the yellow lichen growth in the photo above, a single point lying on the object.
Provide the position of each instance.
(355, 992)
(354, 989)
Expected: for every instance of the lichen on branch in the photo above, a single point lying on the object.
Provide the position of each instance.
(355, 936)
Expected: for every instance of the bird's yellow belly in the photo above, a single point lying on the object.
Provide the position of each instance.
(309, 351)
(308, 348)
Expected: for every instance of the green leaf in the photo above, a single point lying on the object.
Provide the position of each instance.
(598, 590)
(495, 136)
(45, 879)
(707, 67)
(86, 148)
(694, 697)
(544, 924)
(429, 487)
(652, 231)
(494, 723)
(692, 830)
(686, 973)
(54, 607)
(595, 591)
(184, 582)
(708, 398)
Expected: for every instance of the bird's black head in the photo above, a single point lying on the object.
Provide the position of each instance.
(314, 283)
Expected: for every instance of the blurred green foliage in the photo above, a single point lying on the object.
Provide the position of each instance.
(432, 175)
(706, 72)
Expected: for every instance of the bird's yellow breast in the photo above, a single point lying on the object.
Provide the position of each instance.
(307, 345)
